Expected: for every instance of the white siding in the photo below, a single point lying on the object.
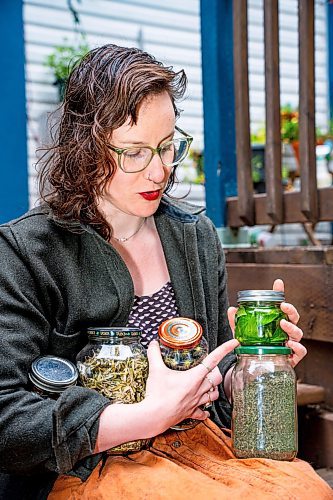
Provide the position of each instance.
(170, 30)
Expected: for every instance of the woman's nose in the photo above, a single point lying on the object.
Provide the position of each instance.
(156, 171)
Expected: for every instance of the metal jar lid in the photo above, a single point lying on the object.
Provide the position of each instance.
(180, 333)
(100, 333)
(260, 295)
(53, 374)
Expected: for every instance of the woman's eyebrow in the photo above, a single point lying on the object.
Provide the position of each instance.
(141, 143)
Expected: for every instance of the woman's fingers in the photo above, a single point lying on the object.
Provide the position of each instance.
(278, 285)
(291, 312)
(212, 360)
(208, 397)
(293, 331)
(154, 357)
(199, 414)
(212, 379)
(299, 351)
(231, 317)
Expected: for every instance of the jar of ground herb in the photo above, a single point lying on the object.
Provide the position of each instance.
(258, 317)
(182, 347)
(264, 417)
(115, 364)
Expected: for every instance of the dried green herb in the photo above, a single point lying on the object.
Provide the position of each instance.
(258, 325)
(120, 380)
(264, 417)
(183, 359)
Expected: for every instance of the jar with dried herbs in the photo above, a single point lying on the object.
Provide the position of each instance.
(115, 364)
(182, 347)
(264, 417)
(258, 317)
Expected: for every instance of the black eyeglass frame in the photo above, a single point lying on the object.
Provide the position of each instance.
(154, 151)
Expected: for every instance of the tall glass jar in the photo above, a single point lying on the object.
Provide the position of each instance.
(182, 347)
(258, 317)
(264, 417)
(115, 364)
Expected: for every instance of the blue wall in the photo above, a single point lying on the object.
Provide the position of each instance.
(13, 137)
(219, 106)
(330, 54)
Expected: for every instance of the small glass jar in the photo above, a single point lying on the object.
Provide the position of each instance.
(115, 364)
(51, 375)
(264, 416)
(182, 347)
(258, 317)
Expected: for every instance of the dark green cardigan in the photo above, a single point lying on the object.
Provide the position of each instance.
(55, 281)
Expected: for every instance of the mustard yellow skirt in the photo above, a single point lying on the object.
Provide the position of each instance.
(190, 465)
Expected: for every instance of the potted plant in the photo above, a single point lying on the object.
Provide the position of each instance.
(290, 128)
(63, 59)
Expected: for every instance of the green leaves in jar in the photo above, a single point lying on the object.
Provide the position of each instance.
(258, 325)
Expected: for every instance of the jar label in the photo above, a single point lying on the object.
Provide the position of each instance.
(115, 352)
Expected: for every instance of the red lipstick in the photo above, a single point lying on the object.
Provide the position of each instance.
(151, 195)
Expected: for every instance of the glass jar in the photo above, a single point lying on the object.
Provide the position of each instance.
(258, 317)
(51, 375)
(264, 416)
(115, 364)
(182, 347)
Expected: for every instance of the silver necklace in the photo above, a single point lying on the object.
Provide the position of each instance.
(122, 240)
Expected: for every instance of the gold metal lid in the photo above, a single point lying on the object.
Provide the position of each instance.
(180, 333)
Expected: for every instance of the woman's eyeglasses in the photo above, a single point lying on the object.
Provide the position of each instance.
(135, 159)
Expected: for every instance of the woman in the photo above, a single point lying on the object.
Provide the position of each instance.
(105, 236)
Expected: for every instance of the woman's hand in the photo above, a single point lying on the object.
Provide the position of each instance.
(294, 333)
(175, 395)
(171, 396)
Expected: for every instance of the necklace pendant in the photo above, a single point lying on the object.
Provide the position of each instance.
(123, 239)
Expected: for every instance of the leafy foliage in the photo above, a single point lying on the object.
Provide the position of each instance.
(64, 58)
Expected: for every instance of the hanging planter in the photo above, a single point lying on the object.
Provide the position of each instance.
(62, 61)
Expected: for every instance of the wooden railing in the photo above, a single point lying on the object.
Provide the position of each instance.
(310, 204)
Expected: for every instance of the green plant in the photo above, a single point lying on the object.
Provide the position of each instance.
(289, 124)
(259, 136)
(197, 157)
(63, 59)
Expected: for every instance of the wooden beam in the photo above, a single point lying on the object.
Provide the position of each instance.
(292, 206)
(273, 169)
(309, 394)
(309, 200)
(242, 113)
(304, 286)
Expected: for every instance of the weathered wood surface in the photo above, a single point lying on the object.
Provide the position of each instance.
(292, 207)
(309, 200)
(308, 283)
(245, 207)
(317, 367)
(309, 394)
(274, 190)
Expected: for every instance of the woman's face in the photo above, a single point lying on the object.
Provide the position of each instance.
(139, 193)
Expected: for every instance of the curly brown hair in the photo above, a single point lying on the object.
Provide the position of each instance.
(103, 90)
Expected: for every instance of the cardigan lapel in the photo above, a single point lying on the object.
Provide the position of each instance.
(177, 230)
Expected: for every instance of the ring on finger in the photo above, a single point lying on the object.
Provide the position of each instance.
(208, 368)
(209, 402)
(211, 382)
